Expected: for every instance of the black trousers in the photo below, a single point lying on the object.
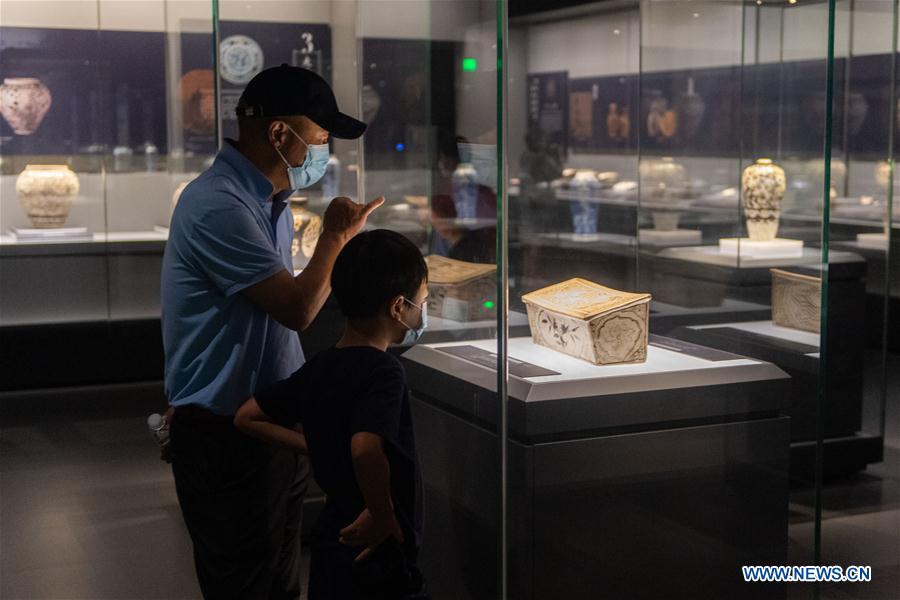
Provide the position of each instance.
(390, 573)
(242, 503)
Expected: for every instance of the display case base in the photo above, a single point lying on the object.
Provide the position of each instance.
(842, 457)
(797, 353)
(665, 462)
(676, 237)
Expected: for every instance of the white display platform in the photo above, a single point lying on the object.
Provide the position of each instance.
(160, 235)
(663, 370)
(777, 248)
(770, 329)
(601, 197)
(53, 234)
(469, 224)
(586, 238)
(713, 256)
(133, 236)
(875, 241)
(676, 237)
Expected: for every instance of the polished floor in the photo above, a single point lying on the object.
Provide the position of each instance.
(87, 510)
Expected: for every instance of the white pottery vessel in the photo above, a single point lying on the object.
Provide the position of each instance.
(46, 193)
(762, 187)
(661, 176)
(883, 174)
(24, 101)
(461, 291)
(796, 300)
(589, 321)
(307, 229)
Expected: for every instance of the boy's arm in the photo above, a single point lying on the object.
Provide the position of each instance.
(253, 421)
(373, 476)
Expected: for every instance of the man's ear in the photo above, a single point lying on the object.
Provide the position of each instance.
(277, 132)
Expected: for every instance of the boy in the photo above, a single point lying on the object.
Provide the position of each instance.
(352, 403)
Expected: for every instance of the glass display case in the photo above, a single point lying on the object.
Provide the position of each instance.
(102, 121)
(661, 235)
(715, 159)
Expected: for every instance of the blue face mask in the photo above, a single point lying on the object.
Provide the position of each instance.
(312, 169)
(414, 334)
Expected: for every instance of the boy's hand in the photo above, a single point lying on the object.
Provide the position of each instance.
(371, 532)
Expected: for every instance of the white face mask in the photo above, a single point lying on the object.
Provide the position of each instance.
(313, 167)
(413, 334)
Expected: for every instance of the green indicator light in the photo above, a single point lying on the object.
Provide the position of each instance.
(489, 304)
(469, 64)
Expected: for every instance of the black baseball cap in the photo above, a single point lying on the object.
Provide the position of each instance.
(288, 91)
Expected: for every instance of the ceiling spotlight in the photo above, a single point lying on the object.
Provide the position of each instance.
(759, 2)
(696, 15)
(792, 1)
(617, 31)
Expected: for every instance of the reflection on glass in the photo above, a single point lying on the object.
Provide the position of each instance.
(863, 222)
(101, 127)
(429, 94)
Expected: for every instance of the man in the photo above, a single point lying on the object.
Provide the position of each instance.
(231, 309)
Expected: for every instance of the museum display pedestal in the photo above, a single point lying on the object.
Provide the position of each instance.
(846, 330)
(703, 276)
(666, 317)
(882, 287)
(777, 248)
(614, 471)
(847, 449)
(876, 241)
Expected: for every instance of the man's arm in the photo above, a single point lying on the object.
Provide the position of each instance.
(253, 421)
(295, 301)
(373, 476)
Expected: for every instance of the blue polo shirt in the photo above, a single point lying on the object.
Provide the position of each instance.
(227, 233)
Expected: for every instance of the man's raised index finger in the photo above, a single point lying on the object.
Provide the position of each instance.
(371, 206)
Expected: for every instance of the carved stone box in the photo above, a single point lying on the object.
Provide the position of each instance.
(796, 300)
(589, 321)
(461, 291)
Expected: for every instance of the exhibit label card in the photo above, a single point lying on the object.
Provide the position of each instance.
(690, 349)
(488, 359)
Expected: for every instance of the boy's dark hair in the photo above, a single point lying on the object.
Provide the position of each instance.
(374, 267)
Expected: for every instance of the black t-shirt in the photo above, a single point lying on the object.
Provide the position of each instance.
(340, 392)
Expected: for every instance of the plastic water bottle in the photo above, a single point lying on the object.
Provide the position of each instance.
(465, 191)
(159, 429)
(151, 156)
(331, 181)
